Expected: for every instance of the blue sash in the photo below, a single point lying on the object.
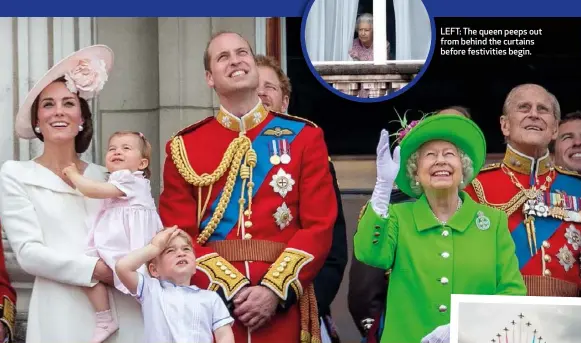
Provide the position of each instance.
(545, 227)
(261, 145)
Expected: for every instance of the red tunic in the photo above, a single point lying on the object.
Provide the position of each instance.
(553, 267)
(291, 232)
(8, 296)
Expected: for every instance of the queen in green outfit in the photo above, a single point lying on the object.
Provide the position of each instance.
(444, 243)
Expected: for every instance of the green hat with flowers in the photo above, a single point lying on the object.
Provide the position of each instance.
(453, 128)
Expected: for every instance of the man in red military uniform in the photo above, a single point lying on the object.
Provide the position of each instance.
(8, 301)
(253, 188)
(542, 200)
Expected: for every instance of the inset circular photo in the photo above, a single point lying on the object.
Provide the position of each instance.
(366, 50)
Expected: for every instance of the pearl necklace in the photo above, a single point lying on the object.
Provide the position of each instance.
(443, 223)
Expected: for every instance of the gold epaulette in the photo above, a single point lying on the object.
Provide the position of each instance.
(192, 127)
(291, 117)
(567, 171)
(492, 166)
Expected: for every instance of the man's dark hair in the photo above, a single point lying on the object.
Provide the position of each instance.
(565, 119)
(463, 110)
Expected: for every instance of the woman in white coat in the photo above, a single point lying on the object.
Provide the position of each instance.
(47, 220)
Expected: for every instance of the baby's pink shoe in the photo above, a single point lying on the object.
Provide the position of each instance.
(106, 326)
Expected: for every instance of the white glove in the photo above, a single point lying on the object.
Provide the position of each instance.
(440, 335)
(387, 169)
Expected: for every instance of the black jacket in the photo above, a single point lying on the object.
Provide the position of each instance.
(368, 285)
(329, 279)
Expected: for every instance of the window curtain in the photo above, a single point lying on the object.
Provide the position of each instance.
(412, 29)
(329, 29)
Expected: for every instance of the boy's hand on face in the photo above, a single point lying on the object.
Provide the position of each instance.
(162, 239)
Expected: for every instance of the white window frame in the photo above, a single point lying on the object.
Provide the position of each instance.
(379, 32)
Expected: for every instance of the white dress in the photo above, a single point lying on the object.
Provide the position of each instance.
(46, 224)
(125, 223)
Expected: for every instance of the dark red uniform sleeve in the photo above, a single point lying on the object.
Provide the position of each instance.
(178, 206)
(8, 294)
(307, 250)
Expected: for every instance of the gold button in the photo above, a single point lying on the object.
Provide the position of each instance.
(445, 254)
(283, 264)
(280, 269)
(218, 263)
(546, 245)
(233, 276)
(224, 268)
(443, 308)
(445, 233)
(547, 272)
(227, 272)
(247, 236)
(276, 274)
(375, 241)
(444, 280)
(248, 224)
(547, 258)
(287, 259)
(377, 234)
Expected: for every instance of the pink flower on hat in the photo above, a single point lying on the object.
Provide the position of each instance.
(407, 129)
(87, 78)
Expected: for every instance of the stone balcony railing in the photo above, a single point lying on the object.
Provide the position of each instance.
(378, 79)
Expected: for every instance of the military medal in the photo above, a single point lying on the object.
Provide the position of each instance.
(566, 258)
(482, 221)
(274, 158)
(282, 183)
(285, 157)
(573, 237)
(283, 216)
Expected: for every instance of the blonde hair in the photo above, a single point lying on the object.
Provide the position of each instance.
(144, 148)
(181, 234)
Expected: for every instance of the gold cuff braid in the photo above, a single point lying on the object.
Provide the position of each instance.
(222, 274)
(284, 272)
(8, 315)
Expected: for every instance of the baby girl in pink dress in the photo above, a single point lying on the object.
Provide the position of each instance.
(128, 219)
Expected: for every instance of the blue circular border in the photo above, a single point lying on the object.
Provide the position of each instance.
(354, 98)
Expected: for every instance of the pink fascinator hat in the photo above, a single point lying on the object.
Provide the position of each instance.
(86, 71)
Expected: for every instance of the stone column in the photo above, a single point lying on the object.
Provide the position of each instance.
(130, 99)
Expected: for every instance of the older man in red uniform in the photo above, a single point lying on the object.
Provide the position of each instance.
(543, 201)
(253, 188)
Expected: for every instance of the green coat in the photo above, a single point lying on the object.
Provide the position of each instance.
(430, 262)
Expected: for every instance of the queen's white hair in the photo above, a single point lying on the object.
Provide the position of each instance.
(364, 18)
(412, 169)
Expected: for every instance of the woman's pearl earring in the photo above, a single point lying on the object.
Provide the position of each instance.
(80, 127)
(37, 129)
(417, 183)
